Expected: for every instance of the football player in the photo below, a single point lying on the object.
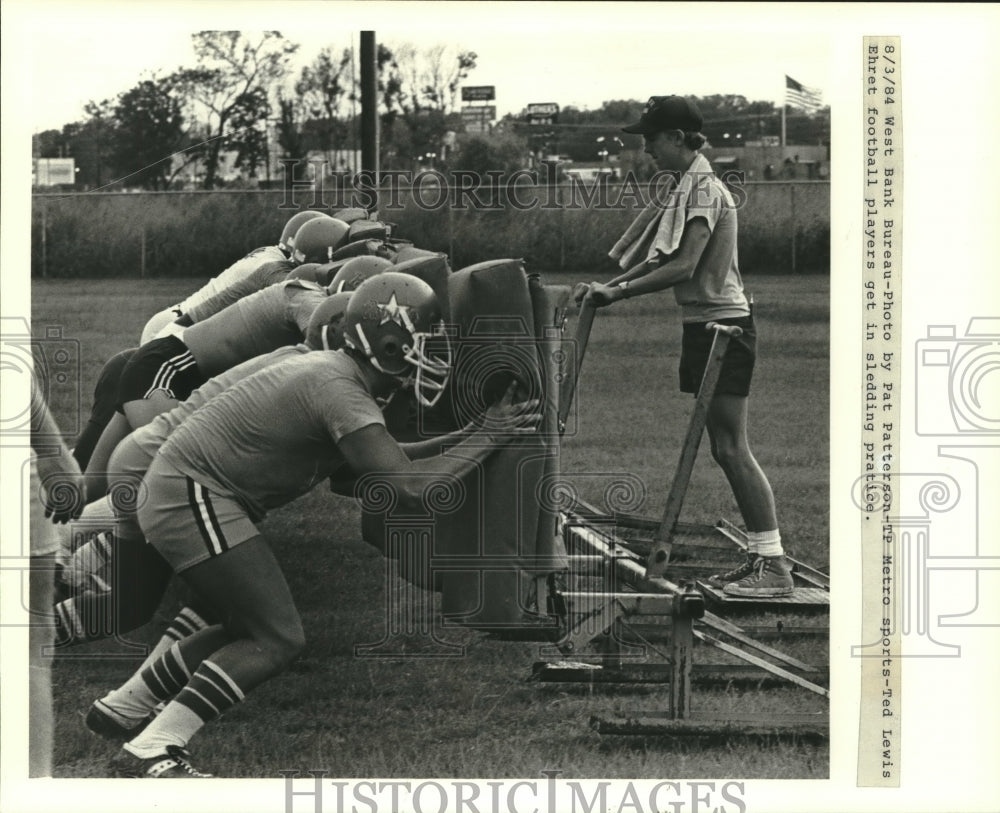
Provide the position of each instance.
(124, 597)
(264, 442)
(56, 484)
(166, 370)
(259, 256)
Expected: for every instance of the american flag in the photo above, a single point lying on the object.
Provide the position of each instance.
(798, 95)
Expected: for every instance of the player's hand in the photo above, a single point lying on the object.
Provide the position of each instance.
(63, 494)
(508, 416)
(600, 295)
(580, 291)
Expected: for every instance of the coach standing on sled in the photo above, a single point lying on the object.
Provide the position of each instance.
(686, 240)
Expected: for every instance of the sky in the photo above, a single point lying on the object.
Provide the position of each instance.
(568, 53)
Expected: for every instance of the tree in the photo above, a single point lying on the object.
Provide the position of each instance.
(91, 143)
(233, 84)
(49, 144)
(444, 74)
(149, 131)
(504, 152)
(321, 88)
(419, 89)
(248, 120)
(288, 128)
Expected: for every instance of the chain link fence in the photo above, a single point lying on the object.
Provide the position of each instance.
(784, 226)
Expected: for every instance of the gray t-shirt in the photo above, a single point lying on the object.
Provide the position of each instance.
(715, 291)
(151, 437)
(254, 325)
(273, 436)
(265, 275)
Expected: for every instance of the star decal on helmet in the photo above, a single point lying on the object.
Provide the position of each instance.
(392, 311)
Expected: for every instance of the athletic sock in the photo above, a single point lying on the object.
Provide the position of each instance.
(68, 624)
(765, 543)
(89, 560)
(208, 694)
(159, 681)
(187, 622)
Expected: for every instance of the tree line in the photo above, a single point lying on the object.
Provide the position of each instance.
(241, 99)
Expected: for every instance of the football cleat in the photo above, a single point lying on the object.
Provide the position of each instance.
(771, 578)
(107, 724)
(394, 320)
(174, 763)
(741, 571)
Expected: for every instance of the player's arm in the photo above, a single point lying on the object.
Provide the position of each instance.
(258, 280)
(372, 449)
(495, 419)
(57, 468)
(222, 300)
(649, 277)
(422, 449)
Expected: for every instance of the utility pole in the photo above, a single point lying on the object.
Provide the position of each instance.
(369, 113)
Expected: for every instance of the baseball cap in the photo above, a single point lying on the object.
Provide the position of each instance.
(667, 113)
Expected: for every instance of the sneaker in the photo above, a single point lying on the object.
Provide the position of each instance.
(771, 577)
(741, 571)
(175, 763)
(106, 723)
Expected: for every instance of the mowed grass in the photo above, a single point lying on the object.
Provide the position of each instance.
(476, 714)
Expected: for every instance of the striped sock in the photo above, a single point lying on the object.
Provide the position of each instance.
(87, 561)
(765, 543)
(187, 622)
(207, 695)
(159, 681)
(69, 625)
(210, 691)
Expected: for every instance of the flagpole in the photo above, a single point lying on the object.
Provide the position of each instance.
(783, 102)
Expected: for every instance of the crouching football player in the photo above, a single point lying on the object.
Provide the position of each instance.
(259, 445)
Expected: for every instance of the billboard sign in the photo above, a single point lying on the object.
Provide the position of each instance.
(473, 113)
(479, 93)
(543, 112)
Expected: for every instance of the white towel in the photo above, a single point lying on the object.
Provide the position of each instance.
(658, 227)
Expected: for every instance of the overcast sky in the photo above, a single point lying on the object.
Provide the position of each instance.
(572, 54)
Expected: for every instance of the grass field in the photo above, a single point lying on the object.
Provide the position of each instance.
(477, 715)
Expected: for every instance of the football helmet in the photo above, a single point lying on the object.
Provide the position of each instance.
(351, 214)
(325, 325)
(355, 271)
(316, 240)
(295, 222)
(394, 320)
(409, 251)
(369, 230)
(307, 271)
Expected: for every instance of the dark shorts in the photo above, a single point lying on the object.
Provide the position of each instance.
(105, 405)
(162, 365)
(737, 364)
